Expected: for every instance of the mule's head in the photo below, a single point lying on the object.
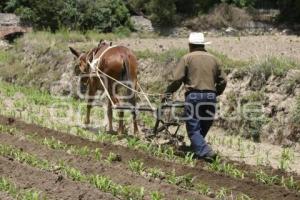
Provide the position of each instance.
(81, 64)
(81, 68)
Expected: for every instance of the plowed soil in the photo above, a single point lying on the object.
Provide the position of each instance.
(4, 196)
(119, 172)
(51, 184)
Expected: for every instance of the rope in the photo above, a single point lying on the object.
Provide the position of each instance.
(105, 90)
(93, 65)
(133, 90)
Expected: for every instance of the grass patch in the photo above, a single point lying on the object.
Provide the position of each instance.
(276, 66)
(167, 56)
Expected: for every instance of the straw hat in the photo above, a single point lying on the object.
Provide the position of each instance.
(198, 39)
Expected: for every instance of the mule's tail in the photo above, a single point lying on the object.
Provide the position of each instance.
(126, 70)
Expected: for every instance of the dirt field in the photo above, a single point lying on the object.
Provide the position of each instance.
(56, 187)
(245, 48)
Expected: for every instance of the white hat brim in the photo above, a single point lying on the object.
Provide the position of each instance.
(201, 43)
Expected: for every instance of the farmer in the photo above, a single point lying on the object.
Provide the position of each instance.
(204, 80)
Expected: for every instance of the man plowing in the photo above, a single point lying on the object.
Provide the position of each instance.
(204, 80)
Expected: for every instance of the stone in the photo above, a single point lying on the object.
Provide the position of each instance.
(10, 27)
(142, 24)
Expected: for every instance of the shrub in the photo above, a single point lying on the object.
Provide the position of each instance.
(240, 3)
(162, 12)
(101, 15)
(289, 10)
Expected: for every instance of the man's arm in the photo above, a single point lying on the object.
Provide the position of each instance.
(221, 80)
(178, 77)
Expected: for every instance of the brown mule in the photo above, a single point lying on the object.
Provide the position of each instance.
(118, 62)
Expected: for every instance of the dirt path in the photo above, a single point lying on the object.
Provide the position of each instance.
(251, 188)
(28, 177)
(245, 48)
(118, 173)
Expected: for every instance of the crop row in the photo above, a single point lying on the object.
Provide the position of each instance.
(100, 182)
(17, 193)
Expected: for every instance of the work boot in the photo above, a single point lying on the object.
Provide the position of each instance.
(210, 157)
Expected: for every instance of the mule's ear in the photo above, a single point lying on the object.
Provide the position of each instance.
(76, 53)
(100, 42)
(110, 44)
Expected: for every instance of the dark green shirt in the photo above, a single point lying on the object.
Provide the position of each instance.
(198, 70)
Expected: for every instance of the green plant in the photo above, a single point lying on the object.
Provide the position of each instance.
(287, 156)
(132, 142)
(243, 197)
(266, 179)
(156, 196)
(203, 189)
(155, 172)
(290, 183)
(226, 168)
(222, 193)
(11, 189)
(136, 166)
(189, 159)
(112, 157)
(99, 15)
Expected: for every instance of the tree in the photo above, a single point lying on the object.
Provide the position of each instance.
(162, 12)
(289, 10)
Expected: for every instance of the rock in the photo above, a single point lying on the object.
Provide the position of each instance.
(9, 19)
(141, 24)
(4, 45)
(10, 27)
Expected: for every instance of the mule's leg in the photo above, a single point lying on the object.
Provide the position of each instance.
(110, 116)
(90, 99)
(132, 101)
(121, 123)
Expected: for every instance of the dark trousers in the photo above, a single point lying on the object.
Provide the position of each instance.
(200, 111)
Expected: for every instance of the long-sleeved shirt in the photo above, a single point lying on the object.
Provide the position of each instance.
(198, 70)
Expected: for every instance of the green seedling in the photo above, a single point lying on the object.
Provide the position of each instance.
(11, 189)
(265, 178)
(156, 196)
(101, 182)
(132, 143)
(226, 168)
(222, 193)
(189, 159)
(290, 183)
(136, 166)
(243, 197)
(155, 173)
(202, 189)
(130, 192)
(112, 157)
(98, 154)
